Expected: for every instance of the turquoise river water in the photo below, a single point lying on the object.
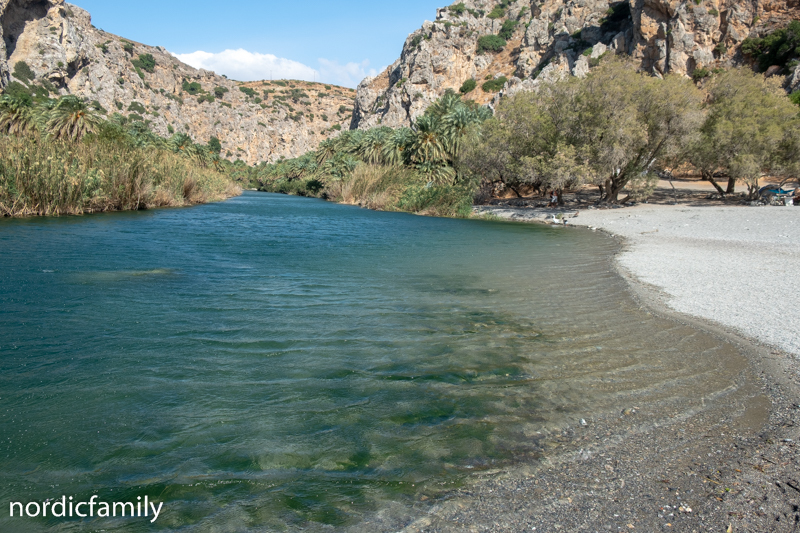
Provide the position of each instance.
(274, 363)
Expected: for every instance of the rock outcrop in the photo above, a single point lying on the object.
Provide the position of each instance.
(556, 38)
(57, 43)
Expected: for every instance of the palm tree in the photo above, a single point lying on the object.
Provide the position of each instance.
(436, 172)
(16, 117)
(326, 150)
(428, 145)
(448, 102)
(372, 144)
(71, 119)
(397, 148)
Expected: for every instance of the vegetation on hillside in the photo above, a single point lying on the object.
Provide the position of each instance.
(58, 157)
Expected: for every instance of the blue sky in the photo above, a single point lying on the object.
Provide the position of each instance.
(337, 42)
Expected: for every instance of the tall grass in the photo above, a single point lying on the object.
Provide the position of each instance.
(394, 188)
(39, 176)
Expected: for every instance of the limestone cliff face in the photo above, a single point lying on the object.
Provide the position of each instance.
(69, 56)
(556, 38)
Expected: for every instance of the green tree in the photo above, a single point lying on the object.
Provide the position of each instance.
(71, 119)
(631, 124)
(747, 123)
(16, 116)
(214, 145)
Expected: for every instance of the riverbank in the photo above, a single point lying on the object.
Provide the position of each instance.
(730, 466)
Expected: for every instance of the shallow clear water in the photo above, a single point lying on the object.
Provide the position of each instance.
(274, 362)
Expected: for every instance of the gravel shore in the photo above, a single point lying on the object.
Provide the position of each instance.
(731, 467)
(736, 265)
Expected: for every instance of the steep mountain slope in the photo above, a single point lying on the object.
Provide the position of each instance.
(554, 38)
(51, 46)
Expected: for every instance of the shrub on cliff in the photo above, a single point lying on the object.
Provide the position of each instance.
(490, 43)
(23, 72)
(146, 62)
(494, 85)
(457, 9)
(507, 31)
(497, 13)
(192, 88)
(777, 48)
(468, 86)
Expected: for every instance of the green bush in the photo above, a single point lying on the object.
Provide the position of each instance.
(219, 92)
(214, 145)
(281, 83)
(457, 9)
(468, 86)
(206, 98)
(497, 13)
(494, 85)
(23, 72)
(248, 91)
(193, 88)
(128, 47)
(16, 90)
(97, 106)
(136, 107)
(795, 97)
(145, 62)
(507, 31)
(700, 73)
(490, 43)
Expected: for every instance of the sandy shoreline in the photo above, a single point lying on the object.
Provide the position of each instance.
(726, 270)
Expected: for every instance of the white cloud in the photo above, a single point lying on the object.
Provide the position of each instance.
(243, 65)
(349, 75)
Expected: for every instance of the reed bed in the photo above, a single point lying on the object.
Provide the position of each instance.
(39, 176)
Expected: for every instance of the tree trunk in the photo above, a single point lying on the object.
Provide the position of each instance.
(710, 177)
(731, 186)
(514, 189)
(613, 190)
(560, 195)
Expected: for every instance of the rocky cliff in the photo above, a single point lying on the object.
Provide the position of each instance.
(51, 46)
(548, 39)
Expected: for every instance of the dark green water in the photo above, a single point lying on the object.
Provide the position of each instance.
(274, 362)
